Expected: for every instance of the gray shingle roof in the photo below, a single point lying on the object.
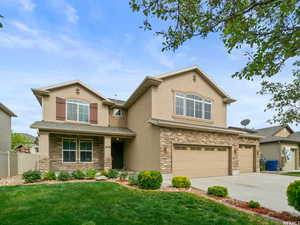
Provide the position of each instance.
(117, 101)
(79, 128)
(269, 132)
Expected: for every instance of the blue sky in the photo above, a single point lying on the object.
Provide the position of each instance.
(99, 42)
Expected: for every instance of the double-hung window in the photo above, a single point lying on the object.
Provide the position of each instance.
(78, 111)
(193, 106)
(86, 150)
(69, 150)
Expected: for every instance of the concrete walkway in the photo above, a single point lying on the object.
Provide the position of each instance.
(268, 189)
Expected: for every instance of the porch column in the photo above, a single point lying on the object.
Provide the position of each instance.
(44, 164)
(107, 153)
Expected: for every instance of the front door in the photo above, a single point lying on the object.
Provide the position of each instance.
(117, 155)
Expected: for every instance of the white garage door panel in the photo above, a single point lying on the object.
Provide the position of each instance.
(246, 159)
(195, 163)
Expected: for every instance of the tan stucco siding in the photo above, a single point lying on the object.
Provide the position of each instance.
(115, 121)
(142, 153)
(270, 151)
(163, 99)
(70, 92)
(283, 133)
(294, 163)
(5, 131)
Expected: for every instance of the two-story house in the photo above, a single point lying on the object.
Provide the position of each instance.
(5, 139)
(174, 123)
(5, 128)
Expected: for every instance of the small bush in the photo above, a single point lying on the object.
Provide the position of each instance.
(123, 175)
(253, 204)
(149, 180)
(181, 182)
(112, 173)
(78, 174)
(217, 191)
(64, 176)
(49, 175)
(293, 194)
(133, 179)
(104, 173)
(32, 176)
(91, 173)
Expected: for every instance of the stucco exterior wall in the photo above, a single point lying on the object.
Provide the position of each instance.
(283, 133)
(5, 131)
(142, 153)
(169, 137)
(70, 92)
(163, 98)
(55, 153)
(270, 151)
(295, 154)
(116, 121)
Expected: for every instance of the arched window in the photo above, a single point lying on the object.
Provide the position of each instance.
(192, 105)
(78, 110)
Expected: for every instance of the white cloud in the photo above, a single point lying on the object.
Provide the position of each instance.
(27, 5)
(23, 27)
(71, 14)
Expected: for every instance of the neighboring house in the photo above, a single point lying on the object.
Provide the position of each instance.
(280, 143)
(32, 148)
(5, 139)
(5, 128)
(175, 123)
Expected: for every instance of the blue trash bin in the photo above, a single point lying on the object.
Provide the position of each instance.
(272, 165)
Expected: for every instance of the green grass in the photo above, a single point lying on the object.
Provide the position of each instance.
(109, 203)
(295, 174)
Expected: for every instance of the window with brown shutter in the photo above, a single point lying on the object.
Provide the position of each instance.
(93, 113)
(60, 108)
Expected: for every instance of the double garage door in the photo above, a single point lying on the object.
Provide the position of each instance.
(207, 161)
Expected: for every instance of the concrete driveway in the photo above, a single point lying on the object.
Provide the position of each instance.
(268, 189)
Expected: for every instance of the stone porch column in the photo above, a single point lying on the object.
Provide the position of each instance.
(44, 164)
(107, 153)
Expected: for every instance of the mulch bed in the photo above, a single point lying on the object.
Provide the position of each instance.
(241, 205)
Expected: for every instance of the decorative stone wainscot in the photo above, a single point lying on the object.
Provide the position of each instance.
(55, 154)
(169, 136)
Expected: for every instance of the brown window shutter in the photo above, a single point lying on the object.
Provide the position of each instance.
(94, 113)
(60, 108)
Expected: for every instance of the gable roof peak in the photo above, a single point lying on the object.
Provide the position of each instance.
(200, 72)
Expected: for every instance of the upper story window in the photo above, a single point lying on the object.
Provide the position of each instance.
(78, 110)
(118, 112)
(193, 106)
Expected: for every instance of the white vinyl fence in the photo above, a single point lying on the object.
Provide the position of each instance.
(12, 164)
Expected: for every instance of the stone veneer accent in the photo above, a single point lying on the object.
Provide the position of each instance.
(170, 136)
(55, 154)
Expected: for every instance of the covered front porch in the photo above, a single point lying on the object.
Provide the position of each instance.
(68, 147)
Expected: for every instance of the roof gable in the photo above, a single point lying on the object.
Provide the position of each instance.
(204, 76)
(46, 90)
(7, 110)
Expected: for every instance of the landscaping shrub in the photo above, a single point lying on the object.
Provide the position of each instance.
(112, 173)
(104, 173)
(253, 204)
(64, 176)
(181, 182)
(91, 173)
(217, 191)
(49, 175)
(32, 176)
(149, 180)
(133, 179)
(123, 175)
(293, 194)
(78, 174)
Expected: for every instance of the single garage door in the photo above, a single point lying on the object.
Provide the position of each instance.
(246, 154)
(200, 161)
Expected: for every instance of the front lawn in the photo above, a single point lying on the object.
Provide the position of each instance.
(295, 174)
(111, 204)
